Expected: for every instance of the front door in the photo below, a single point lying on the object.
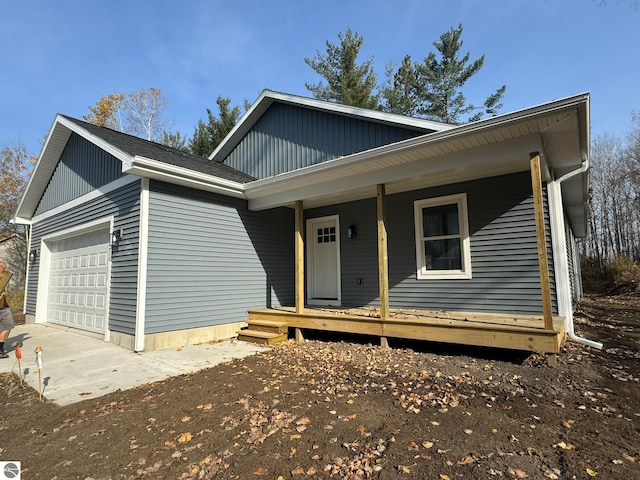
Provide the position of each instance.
(323, 261)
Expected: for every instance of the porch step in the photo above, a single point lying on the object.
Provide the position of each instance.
(260, 337)
(271, 326)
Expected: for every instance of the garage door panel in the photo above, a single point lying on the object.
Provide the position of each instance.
(78, 282)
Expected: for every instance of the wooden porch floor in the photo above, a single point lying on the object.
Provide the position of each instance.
(518, 332)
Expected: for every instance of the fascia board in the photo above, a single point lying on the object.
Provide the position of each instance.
(146, 167)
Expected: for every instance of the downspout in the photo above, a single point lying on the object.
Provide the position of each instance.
(570, 325)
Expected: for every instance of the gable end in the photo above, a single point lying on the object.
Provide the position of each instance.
(82, 168)
(288, 137)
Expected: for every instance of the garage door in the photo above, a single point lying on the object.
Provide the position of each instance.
(78, 286)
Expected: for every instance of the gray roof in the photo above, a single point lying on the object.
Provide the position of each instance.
(135, 146)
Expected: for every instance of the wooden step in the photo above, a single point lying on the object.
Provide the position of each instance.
(271, 326)
(261, 338)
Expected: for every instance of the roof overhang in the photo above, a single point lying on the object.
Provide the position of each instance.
(56, 142)
(147, 167)
(499, 145)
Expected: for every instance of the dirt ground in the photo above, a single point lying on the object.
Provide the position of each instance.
(346, 409)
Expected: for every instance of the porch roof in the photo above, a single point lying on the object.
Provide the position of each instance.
(499, 145)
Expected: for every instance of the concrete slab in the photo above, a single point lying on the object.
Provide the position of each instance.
(76, 366)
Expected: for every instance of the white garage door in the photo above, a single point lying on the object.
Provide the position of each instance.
(78, 281)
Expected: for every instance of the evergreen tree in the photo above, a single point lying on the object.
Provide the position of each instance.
(347, 82)
(208, 135)
(400, 94)
(440, 81)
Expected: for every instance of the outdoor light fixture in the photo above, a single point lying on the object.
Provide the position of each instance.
(352, 231)
(116, 236)
(32, 255)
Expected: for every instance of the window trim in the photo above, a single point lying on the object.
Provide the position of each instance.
(422, 273)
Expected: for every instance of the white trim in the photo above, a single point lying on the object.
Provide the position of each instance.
(143, 246)
(310, 243)
(42, 296)
(559, 249)
(422, 273)
(92, 195)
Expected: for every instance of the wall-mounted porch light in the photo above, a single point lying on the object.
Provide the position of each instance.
(33, 254)
(352, 231)
(116, 236)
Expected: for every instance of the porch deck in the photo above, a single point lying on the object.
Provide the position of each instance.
(512, 331)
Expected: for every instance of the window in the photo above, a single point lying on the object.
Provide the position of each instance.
(442, 238)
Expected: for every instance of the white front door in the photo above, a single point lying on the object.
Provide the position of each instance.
(323, 261)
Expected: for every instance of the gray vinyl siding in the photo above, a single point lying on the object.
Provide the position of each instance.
(124, 205)
(504, 254)
(82, 168)
(289, 137)
(210, 259)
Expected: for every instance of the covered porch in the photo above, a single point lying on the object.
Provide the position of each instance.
(544, 333)
(545, 142)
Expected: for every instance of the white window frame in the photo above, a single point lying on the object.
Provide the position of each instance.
(463, 219)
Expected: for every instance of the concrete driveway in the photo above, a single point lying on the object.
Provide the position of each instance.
(76, 366)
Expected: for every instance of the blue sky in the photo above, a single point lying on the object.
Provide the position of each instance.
(62, 56)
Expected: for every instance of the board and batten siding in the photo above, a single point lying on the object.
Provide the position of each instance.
(124, 205)
(289, 137)
(504, 254)
(210, 259)
(82, 168)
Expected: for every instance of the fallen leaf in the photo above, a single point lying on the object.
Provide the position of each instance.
(297, 471)
(295, 437)
(518, 473)
(293, 451)
(468, 431)
(467, 461)
(404, 469)
(259, 472)
(185, 419)
(185, 437)
(563, 446)
(303, 421)
(591, 473)
(170, 444)
(629, 457)
(427, 445)
(444, 477)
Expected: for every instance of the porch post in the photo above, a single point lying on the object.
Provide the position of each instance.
(299, 249)
(383, 267)
(538, 207)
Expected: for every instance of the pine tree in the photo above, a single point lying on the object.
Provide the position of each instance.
(347, 82)
(208, 135)
(440, 81)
